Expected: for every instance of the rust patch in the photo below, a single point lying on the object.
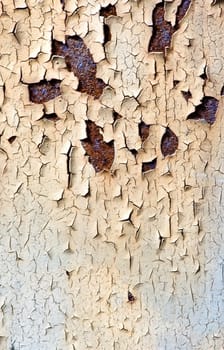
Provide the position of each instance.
(181, 11)
(101, 154)
(107, 11)
(80, 61)
(169, 143)
(147, 166)
(44, 90)
(206, 110)
(162, 29)
(143, 130)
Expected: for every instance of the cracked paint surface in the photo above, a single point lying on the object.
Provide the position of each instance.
(131, 257)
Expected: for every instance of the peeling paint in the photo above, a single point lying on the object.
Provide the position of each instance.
(111, 198)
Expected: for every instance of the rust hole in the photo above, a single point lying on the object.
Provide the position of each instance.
(11, 139)
(101, 154)
(107, 11)
(80, 61)
(222, 91)
(44, 90)
(162, 29)
(143, 130)
(169, 143)
(147, 166)
(131, 297)
(206, 110)
(186, 94)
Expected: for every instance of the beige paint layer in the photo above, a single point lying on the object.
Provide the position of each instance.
(72, 249)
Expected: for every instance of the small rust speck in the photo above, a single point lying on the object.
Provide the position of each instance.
(51, 117)
(107, 11)
(206, 110)
(131, 297)
(101, 154)
(147, 166)
(116, 116)
(169, 143)
(186, 94)
(11, 139)
(143, 130)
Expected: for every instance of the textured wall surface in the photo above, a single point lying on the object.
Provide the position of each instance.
(112, 175)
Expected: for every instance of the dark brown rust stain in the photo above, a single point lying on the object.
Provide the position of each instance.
(107, 33)
(63, 4)
(131, 297)
(80, 61)
(143, 130)
(222, 91)
(186, 94)
(175, 83)
(116, 116)
(162, 29)
(169, 143)
(147, 166)
(101, 154)
(51, 117)
(204, 74)
(44, 90)
(110, 10)
(11, 139)
(107, 11)
(206, 110)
